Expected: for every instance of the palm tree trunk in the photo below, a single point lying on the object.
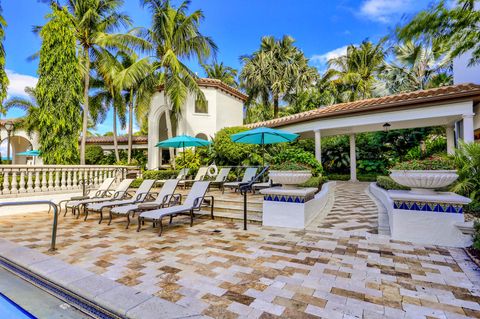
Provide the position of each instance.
(85, 106)
(275, 106)
(130, 127)
(168, 121)
(115, 141)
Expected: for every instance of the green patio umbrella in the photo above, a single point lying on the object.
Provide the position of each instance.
(262, 136)
(183, 141)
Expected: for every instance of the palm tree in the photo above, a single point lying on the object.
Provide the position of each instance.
(416, 67)
(221, 72)
(138, 82)
(175, 36)
(94, 20)
(277, 70)
(355, 73)
(3, 74)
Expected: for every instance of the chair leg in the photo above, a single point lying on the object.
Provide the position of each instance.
(101, 216)
(128, 220)
(140, 221)
(110, 217)
(191, 218)
(161, 227)
(86, 213)
(171, 219)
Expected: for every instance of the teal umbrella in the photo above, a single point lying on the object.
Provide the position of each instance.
(262, 136)
(183, 141)
(30, 153)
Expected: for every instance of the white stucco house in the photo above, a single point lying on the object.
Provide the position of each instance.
(224, 108)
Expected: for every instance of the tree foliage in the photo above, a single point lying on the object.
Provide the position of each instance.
(219, 71)
(58, 91)
(3, 74)
(456, 30)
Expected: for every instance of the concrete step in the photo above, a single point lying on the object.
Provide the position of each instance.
(251, 218)
(228, 208)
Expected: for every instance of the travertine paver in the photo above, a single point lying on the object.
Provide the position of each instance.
(224, 272)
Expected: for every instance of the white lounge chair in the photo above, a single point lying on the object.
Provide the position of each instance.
(163, 199)
(119, 193)
(221, 178)
(249, 174)
(201, 173)
(139, 197)
(181, 175)
(193, 202)
(102, 191)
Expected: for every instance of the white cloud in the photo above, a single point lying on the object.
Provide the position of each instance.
(320, 60)
(384, 10)
(18, 82)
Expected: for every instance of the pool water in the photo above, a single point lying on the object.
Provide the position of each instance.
(10, 310)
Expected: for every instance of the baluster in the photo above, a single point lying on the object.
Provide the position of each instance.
(6, 184)
(37, 181)
(21, 188)
(44, 180)
(57, 180)
(90, 179)
(14, 189)
(64, 179)
(30, 182)
(51, 185)
(80, 177)
(69, 179)
(95, 182)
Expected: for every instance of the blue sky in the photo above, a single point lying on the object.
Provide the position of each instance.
(322, 29)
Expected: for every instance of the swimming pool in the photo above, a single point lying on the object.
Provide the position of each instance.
(10, 310)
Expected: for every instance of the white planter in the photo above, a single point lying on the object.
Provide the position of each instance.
(424, 181)
(289, 179)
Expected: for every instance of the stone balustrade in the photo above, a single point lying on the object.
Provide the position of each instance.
(18, 179)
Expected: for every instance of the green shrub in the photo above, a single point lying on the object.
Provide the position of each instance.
(191, 160)
(476, 235)
(473, 208)
(315, 181)
(298, 156)
(136, 183)
(225, 152)
(93, 154)
(160, 174)
(388, 183)
(338, 177)
(346, 177)
(467, 161)
(367, 177)
(431, 163)
(290, 166)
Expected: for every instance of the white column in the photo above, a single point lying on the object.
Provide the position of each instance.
(450, 139)
(318, 145)
(468, 134)
(353, 159)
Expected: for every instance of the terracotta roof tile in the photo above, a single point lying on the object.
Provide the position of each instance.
(410, 99)
(121, 139)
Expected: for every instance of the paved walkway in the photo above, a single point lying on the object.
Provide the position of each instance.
(341, 270)
(353, 209)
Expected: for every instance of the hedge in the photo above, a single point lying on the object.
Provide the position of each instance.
(160, 174)
(315, 181)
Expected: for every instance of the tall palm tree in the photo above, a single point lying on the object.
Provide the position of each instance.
(138, 82)
(416, 67)
(221, 72)
(94, 20)
(355, 72)
(278, 69)
(3, 74)
(176, 37)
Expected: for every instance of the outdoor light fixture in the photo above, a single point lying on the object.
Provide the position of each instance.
(9, 127)
(386, 127)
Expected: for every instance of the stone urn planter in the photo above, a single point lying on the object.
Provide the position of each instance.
(424, 181)
(289, 179)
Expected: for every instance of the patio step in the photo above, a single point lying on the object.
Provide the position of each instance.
(252, 218)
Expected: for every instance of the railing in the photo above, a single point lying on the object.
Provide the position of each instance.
(18, 179)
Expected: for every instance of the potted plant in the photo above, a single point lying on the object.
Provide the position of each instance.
(425, 176)
(289, 174)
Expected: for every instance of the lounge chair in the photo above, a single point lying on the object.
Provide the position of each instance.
(193, 202)
(221, 178)
(249, 174)
(181, 175)
(119, 193)
(102, 191)
(163, 200)
(201, 173)
(139, 197)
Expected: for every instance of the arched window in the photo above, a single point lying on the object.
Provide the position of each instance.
(202, 136)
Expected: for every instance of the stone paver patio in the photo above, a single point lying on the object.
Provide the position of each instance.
(337, 269)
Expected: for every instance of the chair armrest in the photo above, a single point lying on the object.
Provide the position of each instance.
(175, 199)
(197, 203)
(79, 197)
(148, 206)
(119, 195)
(140, 196)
